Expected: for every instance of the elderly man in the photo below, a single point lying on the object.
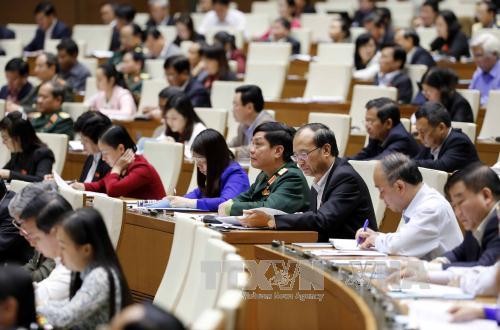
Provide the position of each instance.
(340, 201)
(158, 47)
(159, 13)
(409, 40)
(446, 149)
(486, 51)
(430, 227)
(392, 62)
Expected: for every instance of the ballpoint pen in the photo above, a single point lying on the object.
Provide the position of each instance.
(360, 239)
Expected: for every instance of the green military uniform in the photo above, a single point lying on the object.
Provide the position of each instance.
(118, 55)
(285, 190)
(39, 267)
(54, 122)
(134, 85)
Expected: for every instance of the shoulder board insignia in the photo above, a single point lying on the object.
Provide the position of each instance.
(53, 118)
(282, 171)
(144, 76)
(64, 115)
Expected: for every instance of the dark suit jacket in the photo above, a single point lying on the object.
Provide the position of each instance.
(345, 205)
(6, 33)
(459, 109)
(115, 40)
(469, 253)
(60, 31)
(456, 152)
(197, 93)
(456, 46)
(295, 45)
(422, 56)
(100, 172)
(30, 166)
(13, 247)
(21, 96)
(398, 140)
(403, 84)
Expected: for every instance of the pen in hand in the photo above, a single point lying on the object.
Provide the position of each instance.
(361, 239)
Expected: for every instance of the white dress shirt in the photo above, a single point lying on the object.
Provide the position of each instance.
(430, 228)
(95, 161)
(55, 287)
(320, 186)
(234, 19)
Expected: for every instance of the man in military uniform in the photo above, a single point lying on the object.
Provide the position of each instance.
(133, 73)
(280, 185)
(131, 40)
(50, 118)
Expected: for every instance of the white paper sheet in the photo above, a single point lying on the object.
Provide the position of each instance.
(341, 253)
(418, 290)
(344, 244)
(59, 181)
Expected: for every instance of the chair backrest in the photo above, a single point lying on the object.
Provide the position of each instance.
(269, 77)
(318, 24)
(473, 96)
(193, 183)
(356, 31)
(185, 45)
(320, 84)
(265, 7)
(492, 31)
(213, 118)
(238, 35)
(230, 303)
(335, 6)
(90, 88)
(167, 159)
(169, 32)
(259, 52)
(58, 143)
(340, 124)
(365, 169)
(360, 96)
(336, 53)
(113, 212)
(402, 12)
(90, 63)
(149, 93)
(173, 280)
(491, 117)
(18, 185)
(468, 128)
(304, 36)
(2, 109)
(222, 93)
(50, 45)
(210, 319)
(256, 24)
(97, 36)
(4, 155)
(434, 178)
(12, 47)
(75, 109)
(416, 72)
(75, 197)
(154, 67)
(25, 32)
(141, 19)
(252, 174)
(406, 123)
(3, 62)
(426, 35)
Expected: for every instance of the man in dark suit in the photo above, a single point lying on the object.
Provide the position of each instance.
(48, 27)
(446, 149)
(392, 61)
(339, 201)
(178, 73)
(387, 134)
(475, 193)
(18, 88)
(409, 40)
(280, 32)
(125, 15)
(159, 14)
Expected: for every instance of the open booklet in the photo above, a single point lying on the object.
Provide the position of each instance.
(235, 220)
(159, 205)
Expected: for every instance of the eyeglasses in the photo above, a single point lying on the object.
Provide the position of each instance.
(302, 156)
(17, 224)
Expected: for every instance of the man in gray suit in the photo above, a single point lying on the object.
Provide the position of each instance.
(247, 110)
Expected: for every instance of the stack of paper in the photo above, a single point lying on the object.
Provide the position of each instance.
(416, 290)
(345, 253)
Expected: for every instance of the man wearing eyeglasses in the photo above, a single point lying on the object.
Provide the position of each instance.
(340, 201)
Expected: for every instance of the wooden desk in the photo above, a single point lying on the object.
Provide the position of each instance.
(145, 243)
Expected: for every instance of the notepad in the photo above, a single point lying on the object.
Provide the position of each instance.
(313, 245)
(342, 253)
(344, 244)
(420, 290)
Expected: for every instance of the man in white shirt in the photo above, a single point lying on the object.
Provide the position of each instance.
(222, 16)
(430, 227)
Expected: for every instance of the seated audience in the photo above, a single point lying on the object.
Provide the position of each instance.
(131, 175)
(159, 13)
(287, 10)
(439, 85)
(18, 88)
(73, 72)
(178, 73)
(340, 201)
(446, 148)
(124, 15)
(339, 31)
(158, 47)
(280, 184)
(486, 52)
(30, 158)
(486, 15)
(17, 299)
(46, 211)
(146, 316)
(113, 99)
(366, 58)
(222, 16)
(387, 134)
(281, 32)
(475, 194)
(430, 227)
(366, 7)
(451, 41)
(196, 64)
(157, 112)
(216, 66)
(107, 12)
(248, 103)
(304, 7)
(228, 42)
(391, 74)
(99, 289)
(133, 73)
(131, 38)
(409, 40)
(14, 249)
(218, 176)
(91, 125)
(38, 266)
(185, 29)
(49, 117)
(429, 10)
(376, 24)
(49, 27)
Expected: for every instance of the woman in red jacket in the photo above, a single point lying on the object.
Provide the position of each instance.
(131, 175)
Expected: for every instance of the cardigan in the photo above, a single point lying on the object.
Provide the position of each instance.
(30, 167)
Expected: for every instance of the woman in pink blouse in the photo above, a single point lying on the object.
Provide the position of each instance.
(113, 99)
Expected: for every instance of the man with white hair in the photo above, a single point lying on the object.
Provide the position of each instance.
(159, 13)
(486, 50)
